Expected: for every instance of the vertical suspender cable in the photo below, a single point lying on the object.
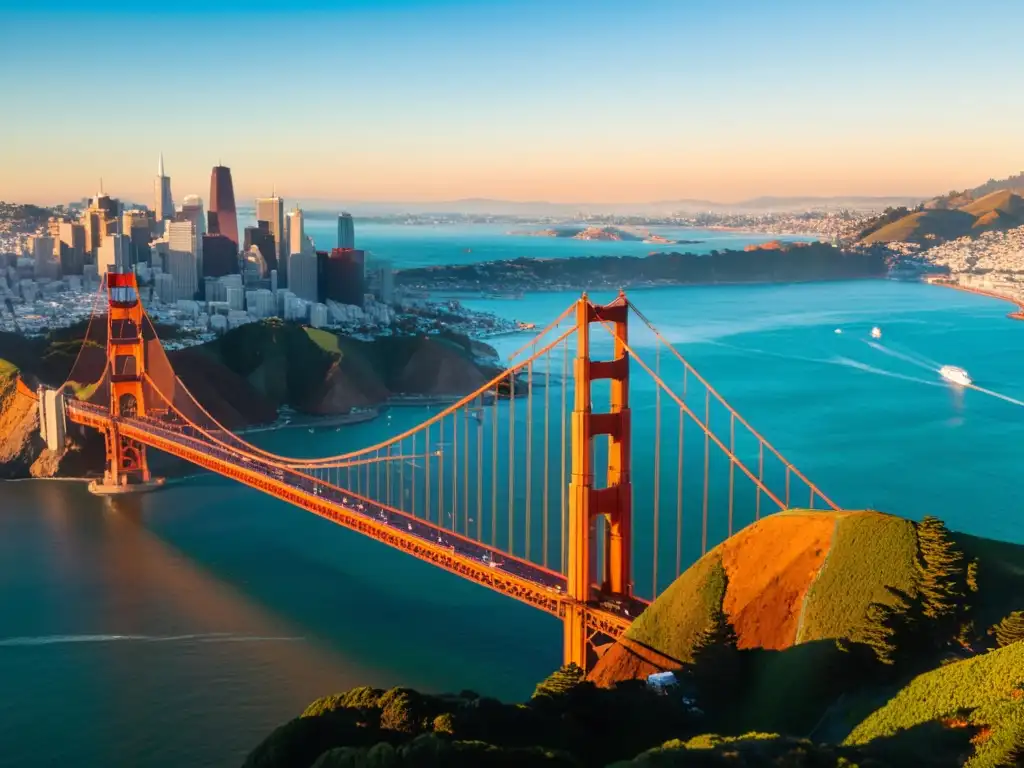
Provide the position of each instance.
(547, 402)
(479, 470)
(707, 461)
(563, 536)
(494, 467)
(511, 460)
(732, 466)
(679, 497)
(529, 451)
(657, 465)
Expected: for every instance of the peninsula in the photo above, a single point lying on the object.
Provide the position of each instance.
(770, 263)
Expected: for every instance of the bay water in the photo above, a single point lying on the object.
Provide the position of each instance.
(179, 628)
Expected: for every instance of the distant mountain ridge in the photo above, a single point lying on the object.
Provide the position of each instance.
(486, 206)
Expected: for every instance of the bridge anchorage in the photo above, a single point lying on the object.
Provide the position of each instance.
(505, 487)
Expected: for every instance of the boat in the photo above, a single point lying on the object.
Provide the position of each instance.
(839, 330)
(955, 375)
(876, 332)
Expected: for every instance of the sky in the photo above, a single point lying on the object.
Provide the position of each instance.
(558, 100)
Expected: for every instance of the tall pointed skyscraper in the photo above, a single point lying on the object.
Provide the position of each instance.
(222, 203)
(164, 204)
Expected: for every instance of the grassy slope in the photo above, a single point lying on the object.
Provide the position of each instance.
(7, 370)
(870, 550)
(985, 690)
(942, 223)
(327, 341)
(1005, 201)
(685, 609)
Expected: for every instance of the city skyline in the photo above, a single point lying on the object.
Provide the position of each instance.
(517, 100)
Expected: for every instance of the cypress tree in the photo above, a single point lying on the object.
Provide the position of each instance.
(1010, 629)
(889, 628)
(942, 579)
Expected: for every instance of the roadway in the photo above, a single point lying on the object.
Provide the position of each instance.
(191, 439)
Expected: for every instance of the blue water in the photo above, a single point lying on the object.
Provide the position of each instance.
(179, 628)
(425, 245)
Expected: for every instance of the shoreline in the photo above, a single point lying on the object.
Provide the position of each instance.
(1018, 315)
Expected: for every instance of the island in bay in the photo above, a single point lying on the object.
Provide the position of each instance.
(608, 234)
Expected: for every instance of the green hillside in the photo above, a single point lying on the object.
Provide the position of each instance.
(869, 551)
(985, 693)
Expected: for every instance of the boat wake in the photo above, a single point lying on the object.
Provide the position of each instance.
(845, 361)
(215, 637)
(919, 360)
(999, 395)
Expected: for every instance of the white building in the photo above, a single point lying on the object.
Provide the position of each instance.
(318, 315)
(296, 235)
(235, 297)
(163, 286)
(302, 274)
(260, 303)
(114, 254)
(271, 210)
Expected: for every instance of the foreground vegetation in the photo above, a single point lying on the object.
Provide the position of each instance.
(909, 652)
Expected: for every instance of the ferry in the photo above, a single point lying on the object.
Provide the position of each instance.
(955, 375)
(876, 332)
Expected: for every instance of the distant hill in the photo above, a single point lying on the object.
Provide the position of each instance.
(999, 210)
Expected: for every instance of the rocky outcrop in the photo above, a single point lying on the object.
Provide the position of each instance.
(23, 453)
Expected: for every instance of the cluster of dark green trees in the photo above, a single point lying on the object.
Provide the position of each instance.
(907, 632)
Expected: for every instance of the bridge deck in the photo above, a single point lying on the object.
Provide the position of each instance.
(488, 566)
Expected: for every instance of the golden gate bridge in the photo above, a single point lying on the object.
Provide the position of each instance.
(528, 485)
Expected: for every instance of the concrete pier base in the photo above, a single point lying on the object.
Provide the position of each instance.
(103, 488)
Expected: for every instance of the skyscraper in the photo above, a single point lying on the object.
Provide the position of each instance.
(72, 248)
(271, 210)
(343, 277)
(346, 232)
(261, 237)
(182, 261)
(220, 256)
(296, 233)
(164, 205)
(222, 203)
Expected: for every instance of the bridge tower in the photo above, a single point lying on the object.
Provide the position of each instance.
(127, 469)
(586, 502)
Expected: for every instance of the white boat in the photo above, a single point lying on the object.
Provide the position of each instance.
(955, 375)
(839, 330)
(876, 332)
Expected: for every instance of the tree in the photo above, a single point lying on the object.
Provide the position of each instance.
(560, 682)
(1010, 629)
(942, 579)
(889, 627)
(717, 667)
